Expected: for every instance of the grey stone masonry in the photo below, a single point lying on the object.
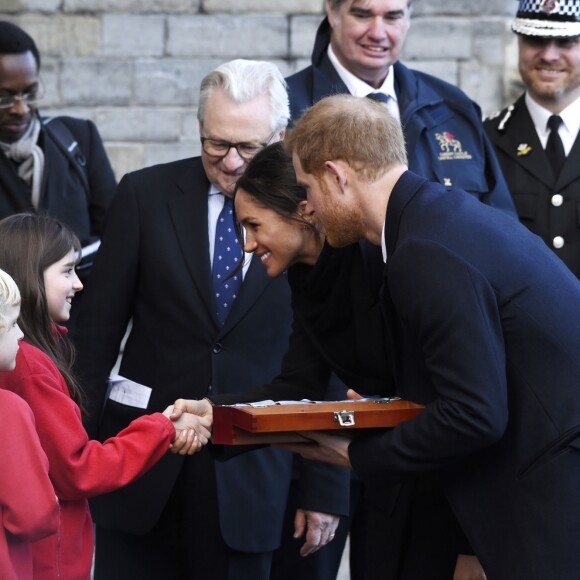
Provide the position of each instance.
(134, 66)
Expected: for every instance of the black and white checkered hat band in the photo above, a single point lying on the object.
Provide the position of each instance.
(548, 18)
(550, 8)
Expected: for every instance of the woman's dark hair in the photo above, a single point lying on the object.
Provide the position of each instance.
(270, 179)
(29, 244)
(13, 40)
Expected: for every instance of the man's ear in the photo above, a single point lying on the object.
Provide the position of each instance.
(330, 13)
(337, 173)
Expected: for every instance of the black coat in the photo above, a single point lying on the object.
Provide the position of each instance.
(487, 329)
(63, 195)
(549, 207)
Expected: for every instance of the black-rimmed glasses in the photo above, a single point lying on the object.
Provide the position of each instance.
(219, 148)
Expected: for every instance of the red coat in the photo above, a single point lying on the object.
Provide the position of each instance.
(79, 468)
(28, 505)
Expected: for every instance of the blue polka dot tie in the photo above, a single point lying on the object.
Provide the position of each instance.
(226, 258)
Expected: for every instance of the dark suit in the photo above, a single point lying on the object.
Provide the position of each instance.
(154, 268)
(487, 328)
(549, 207)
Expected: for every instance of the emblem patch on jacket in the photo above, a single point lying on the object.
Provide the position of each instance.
(451, 148)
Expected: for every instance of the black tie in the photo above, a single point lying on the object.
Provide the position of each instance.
(381, 97)
(554, 147)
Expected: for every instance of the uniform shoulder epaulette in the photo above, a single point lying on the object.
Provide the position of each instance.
(505, 116)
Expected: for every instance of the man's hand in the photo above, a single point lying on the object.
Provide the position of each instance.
(323, 447)
(203, 408)
(317, 527)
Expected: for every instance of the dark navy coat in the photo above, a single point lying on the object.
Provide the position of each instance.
(487, 327)
(443, 130)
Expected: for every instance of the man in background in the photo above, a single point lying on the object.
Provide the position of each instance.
(356, 51)
(536, 138)
(52, 165)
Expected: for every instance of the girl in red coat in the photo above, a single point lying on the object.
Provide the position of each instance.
(28, 505)
(40, 254)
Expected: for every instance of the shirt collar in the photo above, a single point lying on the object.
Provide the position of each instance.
(570, 116)
(356, 86)
(213, 190)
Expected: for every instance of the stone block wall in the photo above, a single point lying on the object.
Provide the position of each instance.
(134, 66)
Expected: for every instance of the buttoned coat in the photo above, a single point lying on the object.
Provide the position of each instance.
(154, 269)
(444, 135)
(548, 206)
(487, 326)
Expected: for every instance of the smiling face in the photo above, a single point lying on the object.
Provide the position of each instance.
(278, 241)
(368, 35)
(61, 283)
(18, 75)
(10, 337)
(550, 68)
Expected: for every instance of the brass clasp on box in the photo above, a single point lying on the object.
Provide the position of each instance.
(344, 418)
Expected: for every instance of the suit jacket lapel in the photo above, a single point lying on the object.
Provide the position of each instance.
(405, 189)
(255, 282)
(523, 134)
(326, 81)
(571, 168)
(188, 210)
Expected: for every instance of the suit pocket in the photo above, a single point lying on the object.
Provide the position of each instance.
(568, 444)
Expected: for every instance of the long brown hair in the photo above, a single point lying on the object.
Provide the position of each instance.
(29, 244)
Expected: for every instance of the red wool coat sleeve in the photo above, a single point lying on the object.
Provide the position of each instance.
(81, 468)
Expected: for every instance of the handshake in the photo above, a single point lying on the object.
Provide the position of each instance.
(192, 420)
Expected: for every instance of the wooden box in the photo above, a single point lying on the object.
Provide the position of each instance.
(281, 423)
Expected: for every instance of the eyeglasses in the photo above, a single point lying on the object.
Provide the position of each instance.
(31, 98)
(246, 151)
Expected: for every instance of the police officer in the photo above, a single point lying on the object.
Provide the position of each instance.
(536, 138)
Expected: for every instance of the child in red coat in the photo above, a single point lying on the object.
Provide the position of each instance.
(28, 505)
(41, 254)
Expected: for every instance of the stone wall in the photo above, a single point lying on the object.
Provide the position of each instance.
(134, 66)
